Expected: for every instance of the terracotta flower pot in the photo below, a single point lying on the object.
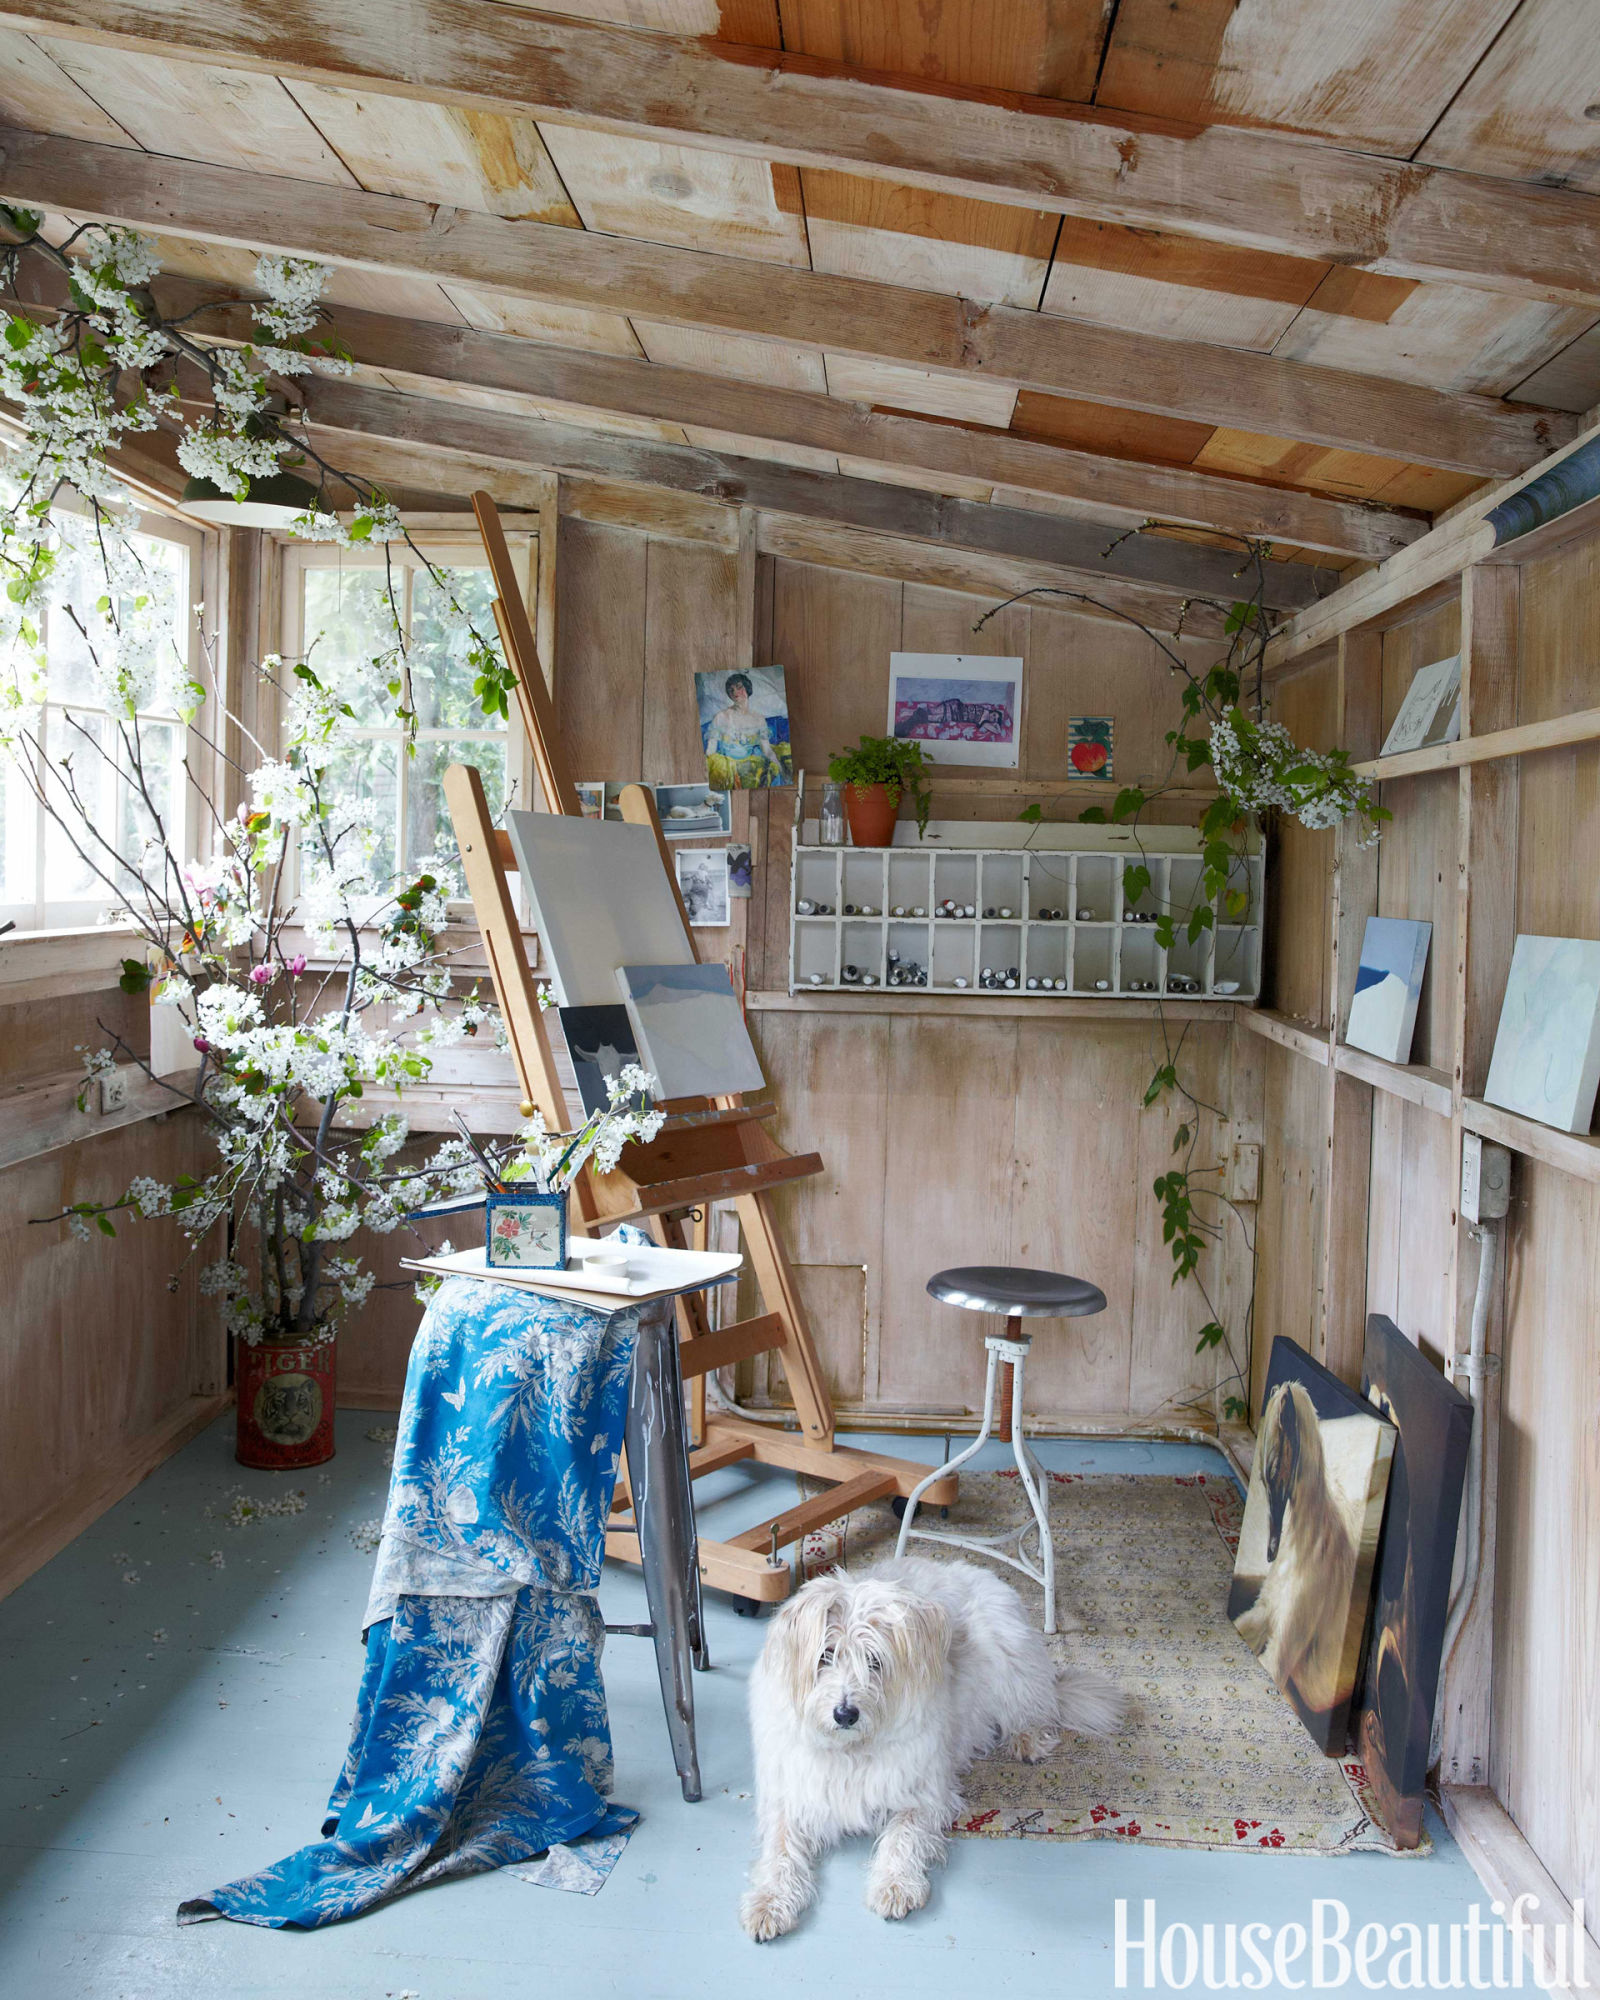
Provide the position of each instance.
(285, 1390)
(871, 814)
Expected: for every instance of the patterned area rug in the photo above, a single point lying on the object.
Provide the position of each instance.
(1212, 1755)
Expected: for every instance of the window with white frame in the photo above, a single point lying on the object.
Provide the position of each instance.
(124, 775)
(337, 616)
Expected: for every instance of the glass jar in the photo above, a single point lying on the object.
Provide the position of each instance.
(830, 819)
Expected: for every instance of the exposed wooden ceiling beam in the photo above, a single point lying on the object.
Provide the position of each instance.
(827, 314)
(1122, 492)
(1184, 568)
(1257, 189)
(986, 576)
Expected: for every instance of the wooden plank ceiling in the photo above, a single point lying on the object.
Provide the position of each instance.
(1376, 209)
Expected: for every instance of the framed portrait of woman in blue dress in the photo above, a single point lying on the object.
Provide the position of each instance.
(744, 724)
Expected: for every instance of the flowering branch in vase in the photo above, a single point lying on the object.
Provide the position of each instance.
(1260, 772)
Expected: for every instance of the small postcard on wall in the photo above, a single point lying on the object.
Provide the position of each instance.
(739, 869)
(1090, 746)
(963, 708)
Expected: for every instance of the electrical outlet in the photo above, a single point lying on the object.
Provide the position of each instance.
(113, 1091)
(1244, 1173)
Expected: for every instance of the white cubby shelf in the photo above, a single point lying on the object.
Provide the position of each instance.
(868, 902)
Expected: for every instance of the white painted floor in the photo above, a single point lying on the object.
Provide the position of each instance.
(173, 1717)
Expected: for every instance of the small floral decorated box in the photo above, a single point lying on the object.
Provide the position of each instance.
(527, 1230)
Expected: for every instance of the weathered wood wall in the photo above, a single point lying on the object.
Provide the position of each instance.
(105, 1365)
(1521, 1710)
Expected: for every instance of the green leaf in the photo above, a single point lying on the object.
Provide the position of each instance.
(136, 976)
(1134, 883)
(1180, 1138)
(1092, 816)
(1235, 1410)
(1166, 932)
(1128, 801)
(1200, 921)
(1031, 815)
(104, 1225)
(1210, 1335)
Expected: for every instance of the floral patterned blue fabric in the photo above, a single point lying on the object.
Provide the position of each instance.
(480, 1734)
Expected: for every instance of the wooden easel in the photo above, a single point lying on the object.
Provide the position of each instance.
(703, 1154)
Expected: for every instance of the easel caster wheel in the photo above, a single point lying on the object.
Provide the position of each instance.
(748, 1607)
(898, 1503)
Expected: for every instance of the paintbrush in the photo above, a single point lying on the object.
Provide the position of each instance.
(491, 1174)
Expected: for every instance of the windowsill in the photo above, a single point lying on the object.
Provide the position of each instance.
(81, 959)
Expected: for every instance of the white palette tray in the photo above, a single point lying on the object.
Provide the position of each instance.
(660, 1273)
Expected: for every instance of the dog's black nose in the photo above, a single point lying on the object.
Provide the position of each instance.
(846, 1716)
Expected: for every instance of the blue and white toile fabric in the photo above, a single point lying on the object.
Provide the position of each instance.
(480, 1734)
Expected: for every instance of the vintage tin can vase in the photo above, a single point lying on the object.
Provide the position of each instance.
(285, 1403)
(526, 1230)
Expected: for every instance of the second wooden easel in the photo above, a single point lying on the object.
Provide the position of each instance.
(703, 1154)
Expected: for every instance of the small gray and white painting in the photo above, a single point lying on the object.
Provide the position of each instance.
(690, 1029)
(1383, 1014)
(1546, 1061)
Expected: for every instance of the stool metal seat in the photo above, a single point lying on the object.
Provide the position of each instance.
(1019, 1294)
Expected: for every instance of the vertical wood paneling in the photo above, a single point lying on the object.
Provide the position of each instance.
(691, 626)
(1300, 864)
(1293, 1191)
(1545, 1765)
(952, 1102)
(600, 646)
(833, 632)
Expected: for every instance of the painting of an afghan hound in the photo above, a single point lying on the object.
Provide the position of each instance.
(1302, 1583)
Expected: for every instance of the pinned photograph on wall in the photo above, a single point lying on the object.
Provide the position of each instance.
(1383, 1014)
(963, 708)
(1415, 1556)
(739, 869)
(703, 885)
(601, 1045)
(1546, 1060)
(1090, 744)
(690, 810)
(1431, 710)
(744, 725)
(1302, 1579)
(591, 797)
(690, 1029)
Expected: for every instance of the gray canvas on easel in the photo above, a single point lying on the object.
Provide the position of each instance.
(1546, 1061)
(600, 898)
(690, 1029)
(1431, 710)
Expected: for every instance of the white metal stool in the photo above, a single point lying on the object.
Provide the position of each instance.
(1019, 1294)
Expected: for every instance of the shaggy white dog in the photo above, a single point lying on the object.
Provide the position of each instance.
(871, 1698)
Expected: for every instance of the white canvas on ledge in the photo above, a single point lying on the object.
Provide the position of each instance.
(1431, 711)
(600, 897)
(1546, 1061)
(690, 1029)
(1383, 1014)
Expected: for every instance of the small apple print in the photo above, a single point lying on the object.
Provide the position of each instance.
(1089, 741)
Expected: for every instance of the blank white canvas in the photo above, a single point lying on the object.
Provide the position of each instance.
(601, 899)
(1546, 1060)
(1383, 1013)
(690, 1029)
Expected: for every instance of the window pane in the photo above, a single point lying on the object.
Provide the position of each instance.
(77, 634)
(361, 785)
(159, 746)
(75, 743)
(441, 680)
(428, 828)
(18, 830)
(347, 625)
